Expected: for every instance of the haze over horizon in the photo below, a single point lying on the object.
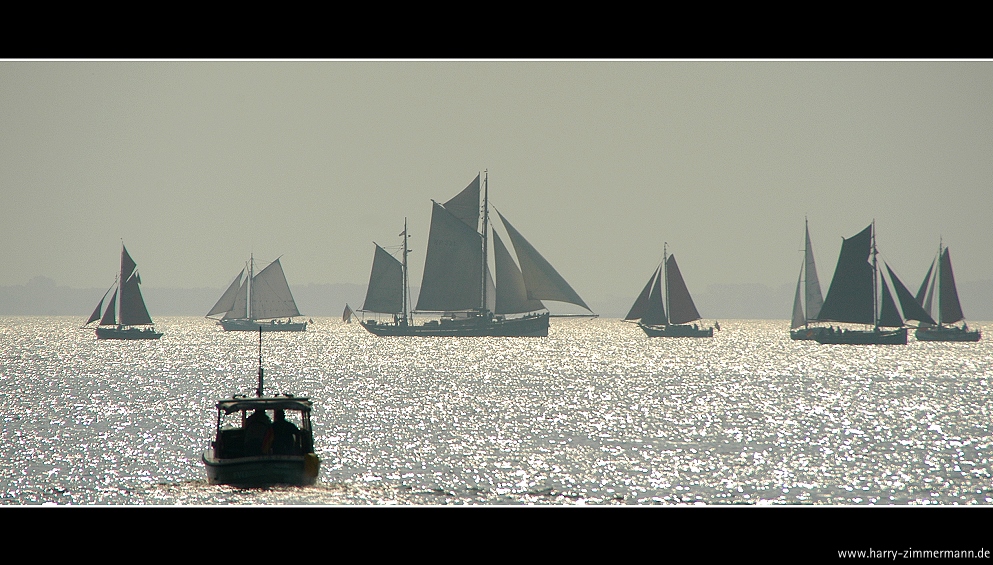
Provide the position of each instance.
(196, 165)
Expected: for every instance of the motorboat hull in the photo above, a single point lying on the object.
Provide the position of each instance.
(945, 333)
(243, 325)
(127, 333)
(528, 326)
(262, 471)
(859, 337)
(677, 330)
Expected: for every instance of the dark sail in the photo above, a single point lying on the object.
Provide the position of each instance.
(681, 307)
(950, 309)
(133, 311)
(110, 315)
(912, 309)
(655, 312)
(889, 317)
(924, 286)
(385, 292)
(640, 305)
(849, 298)
(465, 205)
(452, 266)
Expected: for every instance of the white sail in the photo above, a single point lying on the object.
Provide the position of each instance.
(226, 303)
(271, 296)
(240, 308)
(543, 282)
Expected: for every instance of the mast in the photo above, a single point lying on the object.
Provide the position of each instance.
(665, 263)
(251, 289)
(875, 313)
(405, 293)
(486, 217)
(937, 282)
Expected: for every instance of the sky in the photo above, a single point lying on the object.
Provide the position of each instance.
(198, 165)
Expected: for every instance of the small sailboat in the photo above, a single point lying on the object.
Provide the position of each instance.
(942, 283)
(259, 450)
(853, 298)
(805, 309)
(134, 322)
(457, 282)
(260, 300)
(665, 310)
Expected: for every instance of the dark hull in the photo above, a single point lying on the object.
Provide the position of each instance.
(532, 326)
(240, 325)
(127, 333)
(677, 331)
(806, 334)
(859, 337)
(262, 471)
(947, 334)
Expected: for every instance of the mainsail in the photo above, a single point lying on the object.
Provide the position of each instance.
(850, 296)
(385, 292)
(455, 267)
(261, 296)
(681, 307)
(811, 287)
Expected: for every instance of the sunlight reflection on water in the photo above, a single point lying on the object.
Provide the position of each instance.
(594, 414)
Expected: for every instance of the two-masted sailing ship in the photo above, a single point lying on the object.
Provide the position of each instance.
(855, 297)
(261, 300)
(666, 309)
(806, 309)
(134, 321)
(457, 288)
(941, 281)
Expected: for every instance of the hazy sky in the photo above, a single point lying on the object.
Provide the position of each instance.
(195, 165)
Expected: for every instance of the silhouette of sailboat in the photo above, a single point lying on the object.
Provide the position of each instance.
(665, 309)
(133, 313)
(805, 309)
(942, 283)
(260, 300)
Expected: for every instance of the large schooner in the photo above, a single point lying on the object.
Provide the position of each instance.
(949, 308)
(457, 282)
(133, 313)
(667, 312)
(805, 309)
(261, 300)
(853, 298)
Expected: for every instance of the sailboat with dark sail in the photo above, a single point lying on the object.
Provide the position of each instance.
(853, 297)
(805, 309)
(261, 300)
(665, 309)
(942, 283)
(457, 282)
(133, 314)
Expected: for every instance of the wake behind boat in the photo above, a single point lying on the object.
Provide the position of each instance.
(949, 308)
(667, 313)
(133, 313)
(457, 283)
(261, 300)
(259, 450)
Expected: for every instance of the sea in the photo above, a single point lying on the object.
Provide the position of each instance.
(596, 414)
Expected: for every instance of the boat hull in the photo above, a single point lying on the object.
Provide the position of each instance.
(682, 330)
(806, 334)
(127, 333)
(531, 326)
(243, 325)
(262, 471)
(859, 337)
(947, 333)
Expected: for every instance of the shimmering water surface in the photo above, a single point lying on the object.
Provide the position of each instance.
(596, 413)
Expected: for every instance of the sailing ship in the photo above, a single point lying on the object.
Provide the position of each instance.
(853, 298)
(942, 282)
(133, 314)
(805, 309)
(260, 300)
(665, 310)
(258, 450)
(457, 282)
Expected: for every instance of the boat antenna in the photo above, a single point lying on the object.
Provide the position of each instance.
(258, 391)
